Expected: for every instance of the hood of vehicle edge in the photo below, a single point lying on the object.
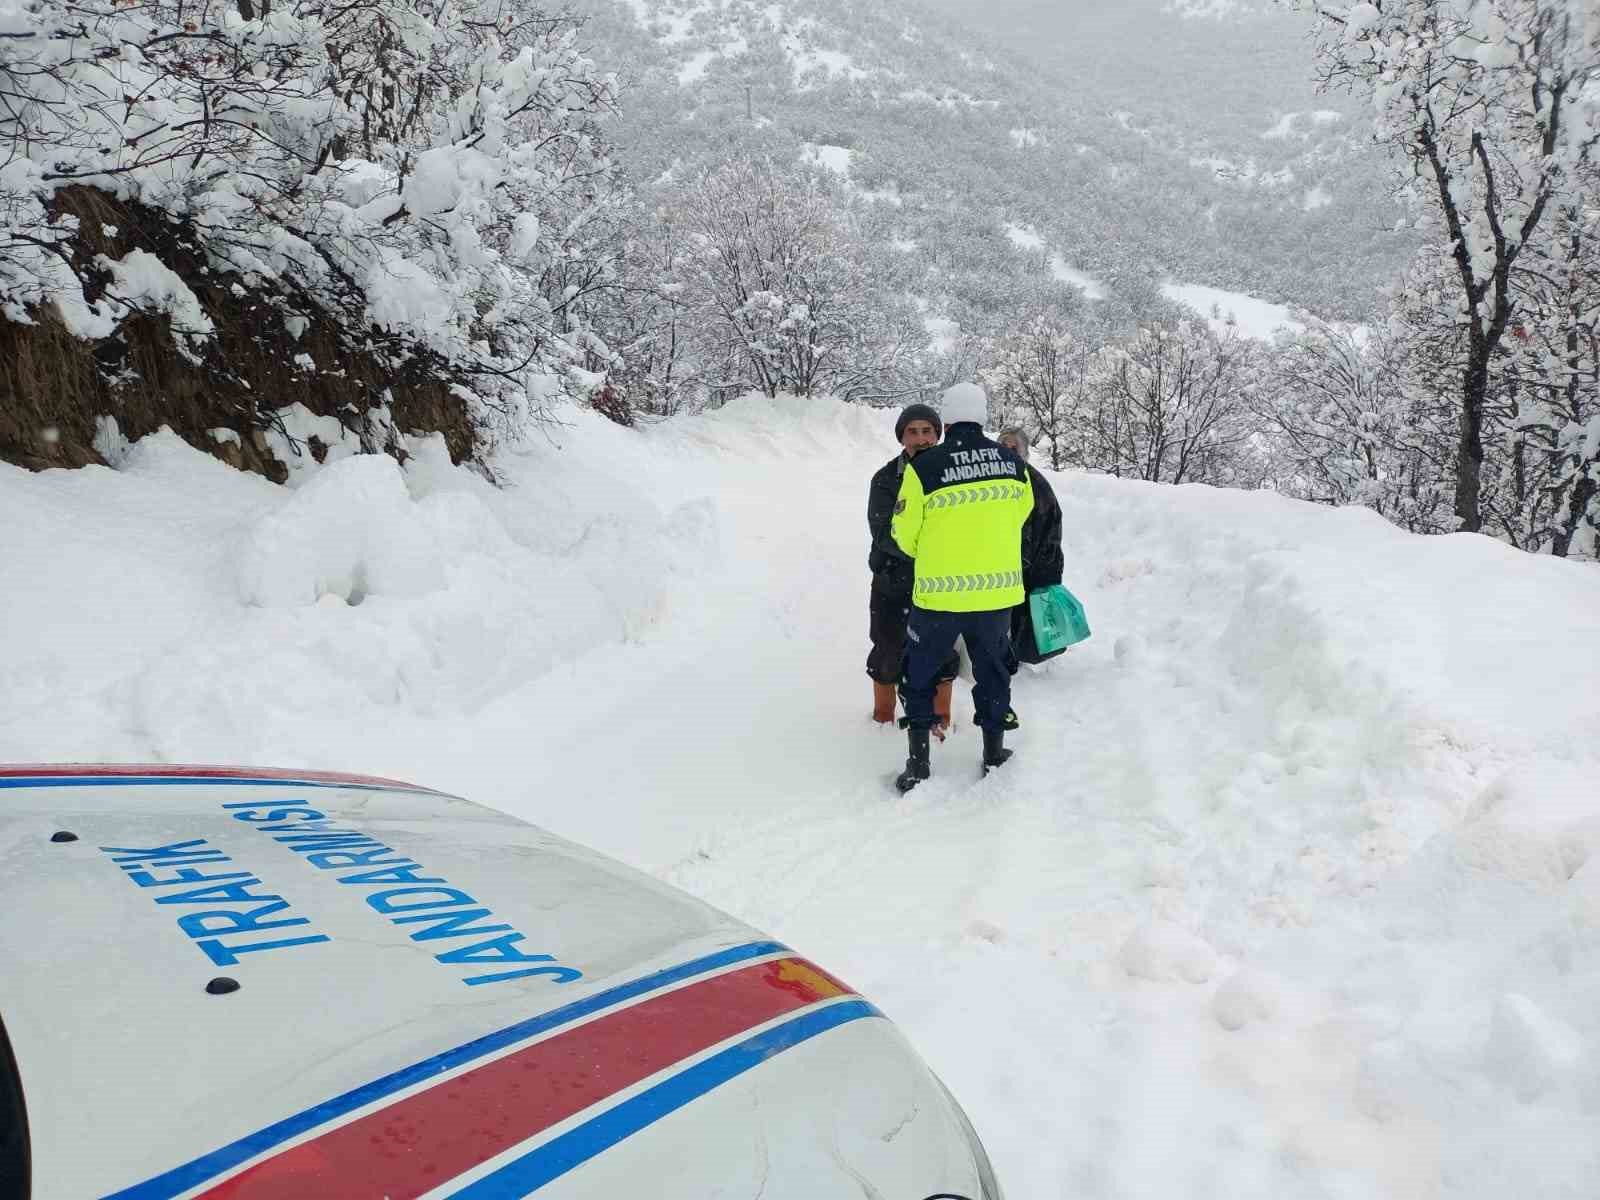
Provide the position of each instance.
(310, 893)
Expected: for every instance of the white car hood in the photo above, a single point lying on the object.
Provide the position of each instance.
(432, 999)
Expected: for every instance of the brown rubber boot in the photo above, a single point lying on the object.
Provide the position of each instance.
(883, 697)
(941, 708)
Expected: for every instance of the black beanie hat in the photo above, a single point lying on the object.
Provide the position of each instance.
(917, 412)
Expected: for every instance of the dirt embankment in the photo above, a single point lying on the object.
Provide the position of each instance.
(54, 386)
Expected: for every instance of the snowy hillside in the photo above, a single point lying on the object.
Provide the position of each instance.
(1292, 890)
(950, 132)
(1228, 82)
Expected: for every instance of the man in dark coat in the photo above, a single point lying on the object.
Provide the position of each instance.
(889, 608)
(1042, 560)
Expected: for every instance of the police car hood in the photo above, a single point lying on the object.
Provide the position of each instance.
(201, 963)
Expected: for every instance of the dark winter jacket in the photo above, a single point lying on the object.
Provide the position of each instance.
(892, 571)
(1041, 537)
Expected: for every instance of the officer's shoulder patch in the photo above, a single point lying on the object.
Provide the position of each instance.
(899, 506)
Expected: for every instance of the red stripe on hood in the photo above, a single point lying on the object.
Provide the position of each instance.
(410, 1147)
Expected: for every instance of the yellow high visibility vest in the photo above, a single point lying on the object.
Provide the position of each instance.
(959, 515)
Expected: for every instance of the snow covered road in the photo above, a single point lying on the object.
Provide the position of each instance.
(1292, 890)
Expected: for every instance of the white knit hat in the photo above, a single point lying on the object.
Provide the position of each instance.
(964, 402)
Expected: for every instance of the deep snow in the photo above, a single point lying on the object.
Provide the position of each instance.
(1291, 891)
(1251, 316)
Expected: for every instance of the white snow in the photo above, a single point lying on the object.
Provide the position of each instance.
(948, 98)
(888, 194)
(1249, 172)
(1292, 890)
(833, 158)
(836, 62)
(1360, 18)
(695, 68)
(828, 62)
(837, 159)
(1246, 997)
(1253, 317)
(403, 295)
(1024, 238)
(1287, 125)
(1093, 289)
(141, 280)
(1284, 128)
(679, 27)
(1160, 950)
(289, 438)
(1317, 197)
(524, 234)
(943, 333)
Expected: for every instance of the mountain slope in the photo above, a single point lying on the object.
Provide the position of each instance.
(951, 136)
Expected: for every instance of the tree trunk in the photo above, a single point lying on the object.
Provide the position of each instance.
(1583, 493)
(1469, 449)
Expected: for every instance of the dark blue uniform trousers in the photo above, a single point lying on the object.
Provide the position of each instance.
(932, 636)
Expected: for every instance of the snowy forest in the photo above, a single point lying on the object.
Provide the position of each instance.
(407, 217)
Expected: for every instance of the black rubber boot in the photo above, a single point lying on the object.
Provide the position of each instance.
(917, 768)
(1011, 720)
(995, 753)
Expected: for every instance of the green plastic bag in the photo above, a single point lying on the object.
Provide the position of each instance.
(1058, 620)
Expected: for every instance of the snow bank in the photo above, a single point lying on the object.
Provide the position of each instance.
(260, 623)
(350, 532)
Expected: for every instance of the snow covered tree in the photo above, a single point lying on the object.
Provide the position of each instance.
(429, 174)
(1039, 374)
(1554, 365)
(1171, 406)
(1540, 394)
(1491, 103)
(1330, 404)
(1346, 425)
(649, 330)
(781, 292)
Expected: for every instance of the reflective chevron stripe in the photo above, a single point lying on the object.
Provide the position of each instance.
(955, 497)
(940, 584)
